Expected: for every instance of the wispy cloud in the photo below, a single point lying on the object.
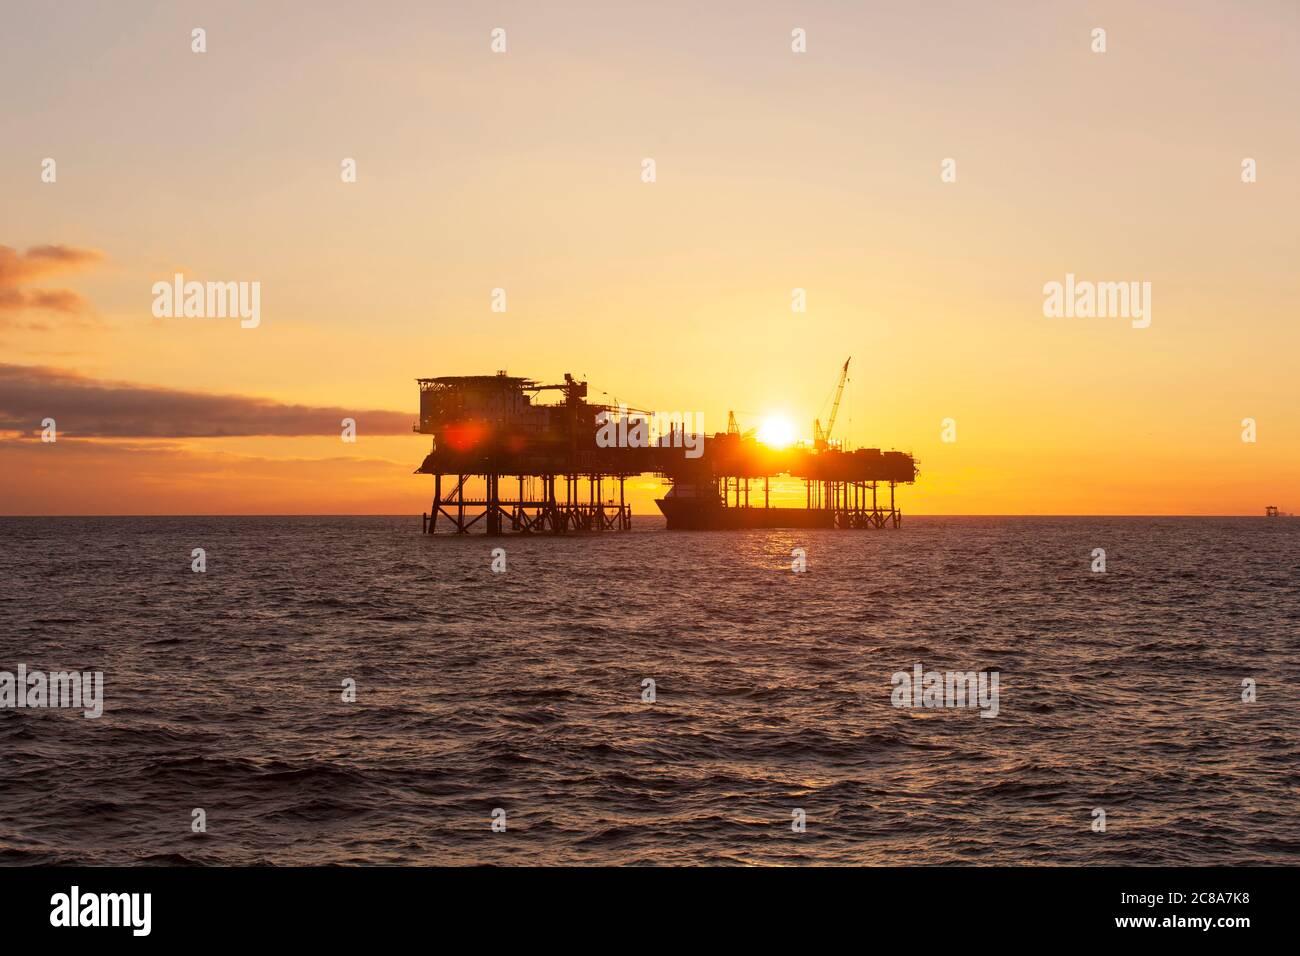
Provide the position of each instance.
(92, 408)
(19, 269)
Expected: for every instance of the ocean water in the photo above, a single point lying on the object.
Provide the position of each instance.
(523, 691)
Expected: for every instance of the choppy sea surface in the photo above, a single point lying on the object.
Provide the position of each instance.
(1119, 691)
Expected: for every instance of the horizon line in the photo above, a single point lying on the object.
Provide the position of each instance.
(336, 514)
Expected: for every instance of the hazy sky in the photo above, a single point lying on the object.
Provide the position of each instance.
(775, 170)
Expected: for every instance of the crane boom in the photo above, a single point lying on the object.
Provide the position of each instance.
(839, 393)
(822, 437)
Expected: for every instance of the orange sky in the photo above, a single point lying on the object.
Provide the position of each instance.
(775, 170)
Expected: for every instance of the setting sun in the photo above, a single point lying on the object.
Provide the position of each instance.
(776, 431)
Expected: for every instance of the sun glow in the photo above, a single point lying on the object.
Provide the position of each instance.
(776, 431)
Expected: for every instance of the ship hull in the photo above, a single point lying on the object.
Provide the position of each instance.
(695, 514)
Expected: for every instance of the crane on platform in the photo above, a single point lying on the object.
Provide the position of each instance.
(733, 428)
(822, 439)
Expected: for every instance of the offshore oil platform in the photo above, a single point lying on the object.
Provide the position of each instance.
(561, 467)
